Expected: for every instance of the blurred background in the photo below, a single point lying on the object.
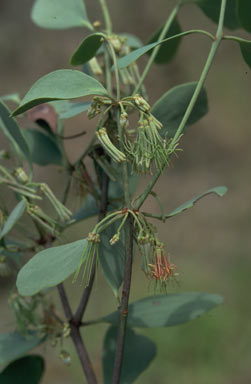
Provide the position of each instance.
(210, 243)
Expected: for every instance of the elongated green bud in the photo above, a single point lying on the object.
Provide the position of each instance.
(95, 67)
(113, 151)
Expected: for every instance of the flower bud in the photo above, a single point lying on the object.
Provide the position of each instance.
(65, 357)
(20, 175)
(114, 239)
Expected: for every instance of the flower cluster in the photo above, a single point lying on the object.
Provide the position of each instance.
(91, 251)
(19, 182)
(144, 146)
(155, 262)
(97, 104)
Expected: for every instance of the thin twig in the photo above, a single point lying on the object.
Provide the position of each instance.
(123, 308)
(108, 22)
(77, 338)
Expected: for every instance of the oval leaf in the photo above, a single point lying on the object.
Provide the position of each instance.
(246, 52)
(211, 8)
(11, 130)
(60, 14)
(43, 148)
(13, 345)
(138, 353)
(171, 107)
(167, 50)
(13, 218)
(220, 191)
(244, 11)
(29, 367)
(63, 84)
(50, 267)
(167, 310)
(112, 258)
(87, 49)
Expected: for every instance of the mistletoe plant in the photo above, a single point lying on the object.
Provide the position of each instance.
(131, 138)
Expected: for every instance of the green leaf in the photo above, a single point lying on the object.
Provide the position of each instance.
(112, 258)
(44, 150)
(126, 60)
(14, 345)
(11, 130)
(13, 217)
(66, 109)
(220, 191)
(89, 209)
(167, 310)
(63, 84)
(211, 8)
(50, 267)
(138, 353)
(29, 367)
(60, 14)
(87, 49)
(167, 50)
(244, 12)
(245, 48)
(171, 107)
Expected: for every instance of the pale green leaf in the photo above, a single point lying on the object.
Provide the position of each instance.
(66, 109)
(50, 267)
(13, 218)
(220, 191)
(167, 310)
(63, 84)
(60, 14)
(88, 209)
(29, 367)
(44, 150)
(14, 345)
(11, 129)
(126, 60)
(138, 353)
(171, 107)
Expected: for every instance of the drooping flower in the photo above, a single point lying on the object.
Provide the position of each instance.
(161, 270)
